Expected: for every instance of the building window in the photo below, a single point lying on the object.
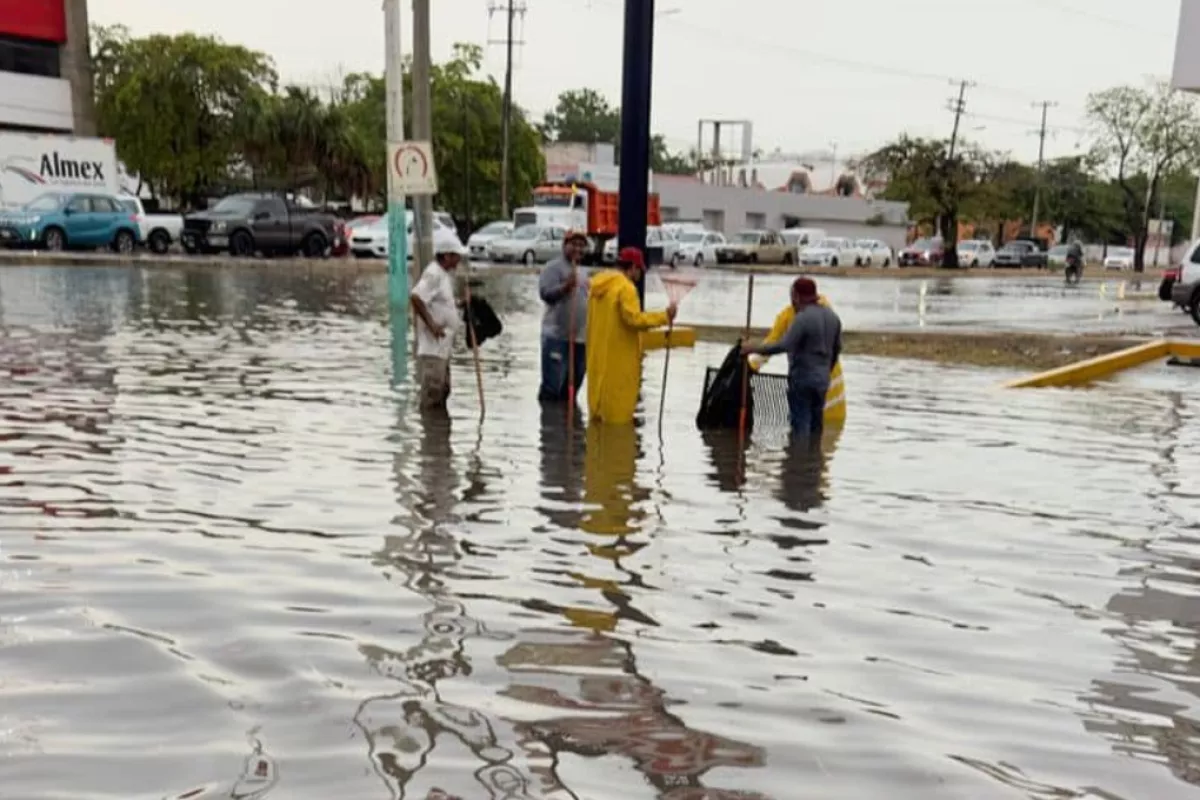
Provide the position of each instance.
(714, 220)
(670, 213)
(29, 57)
(756, 220)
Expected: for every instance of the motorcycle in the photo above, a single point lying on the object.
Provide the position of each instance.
(1074, 270)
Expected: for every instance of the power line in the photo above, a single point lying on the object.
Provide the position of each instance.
(510, 9)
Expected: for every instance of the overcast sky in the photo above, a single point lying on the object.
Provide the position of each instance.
(854, 72)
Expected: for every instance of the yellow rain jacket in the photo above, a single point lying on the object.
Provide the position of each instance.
(614, 347)
(835, 398)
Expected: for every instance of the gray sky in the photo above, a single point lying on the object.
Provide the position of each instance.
(855, 72)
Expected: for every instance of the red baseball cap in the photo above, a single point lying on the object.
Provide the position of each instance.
(805, 290)
(631, 256)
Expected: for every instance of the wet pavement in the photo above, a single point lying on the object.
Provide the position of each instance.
(235, 563)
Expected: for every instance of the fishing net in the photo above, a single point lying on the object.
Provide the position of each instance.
(678, 282)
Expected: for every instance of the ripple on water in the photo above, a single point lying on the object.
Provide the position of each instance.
(236, 563)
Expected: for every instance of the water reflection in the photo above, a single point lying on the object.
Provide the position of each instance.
(408, 729)
(598, 704)
(804, 473)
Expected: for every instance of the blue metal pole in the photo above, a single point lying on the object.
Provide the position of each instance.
(397, 213)
(636, 81)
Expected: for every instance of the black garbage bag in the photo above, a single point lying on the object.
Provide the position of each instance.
(721, 403)
(479, 316)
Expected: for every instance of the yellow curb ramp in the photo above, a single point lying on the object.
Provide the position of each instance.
(1094, 369)
(657, 338)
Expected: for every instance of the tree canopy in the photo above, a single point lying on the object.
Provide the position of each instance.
(585, 115)
(192, 115)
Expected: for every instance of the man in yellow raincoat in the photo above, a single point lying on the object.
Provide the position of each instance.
(835, 398)
(614, 325)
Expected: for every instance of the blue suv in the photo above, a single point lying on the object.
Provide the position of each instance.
(79, 220)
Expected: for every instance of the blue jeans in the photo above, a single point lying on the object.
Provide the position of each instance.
(556, 369)
(806, 408)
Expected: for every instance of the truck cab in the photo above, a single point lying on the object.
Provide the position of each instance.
(580, 206)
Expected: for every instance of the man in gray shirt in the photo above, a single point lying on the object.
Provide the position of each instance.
(813, 345)
(564, 291)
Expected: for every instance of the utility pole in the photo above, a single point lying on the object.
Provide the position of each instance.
(1037, 189)
(950, 241)
(397, 211)
(510, 9)
(833, 164)
(422, 127)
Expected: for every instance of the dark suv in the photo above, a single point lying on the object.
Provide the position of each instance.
(1020, 253)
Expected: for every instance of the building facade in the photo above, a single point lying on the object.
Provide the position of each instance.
(45, 67)
(728, 209)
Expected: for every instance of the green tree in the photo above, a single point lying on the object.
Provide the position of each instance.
(1142, 132)
(172, 103)
(582, 115)
(939, 189)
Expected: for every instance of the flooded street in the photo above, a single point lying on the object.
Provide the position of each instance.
(235, 563)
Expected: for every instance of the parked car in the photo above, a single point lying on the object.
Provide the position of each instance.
(799, 238)
(1185, 290)
(699, 247)
(530, 244)
(831, 252)
(477, 243)
(873, 253)
(1056, 257)
(71, 220)
(244, 224)
(976, 253)
(156, 231)
(1020, 253)
(755, 247)
(1119, 258)
(655, 237)
(371, 240)
(922, 253)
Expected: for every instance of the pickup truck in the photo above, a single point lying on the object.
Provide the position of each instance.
(159, 231)
(245, 224)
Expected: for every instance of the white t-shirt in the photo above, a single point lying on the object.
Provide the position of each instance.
(436, 290)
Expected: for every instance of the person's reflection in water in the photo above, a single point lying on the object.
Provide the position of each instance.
(727, 454)
(609, 708)
(403, 728)
(562, 463)
(804, 474)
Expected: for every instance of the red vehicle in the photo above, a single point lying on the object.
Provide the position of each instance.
(1169, 277)
(924, 252)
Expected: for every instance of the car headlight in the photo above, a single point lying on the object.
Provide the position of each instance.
(218, 227)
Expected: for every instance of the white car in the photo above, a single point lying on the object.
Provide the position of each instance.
(528, 244)
(699, 247)
(873, 253)
(158, 231)
(1119, 258)
(654, 238)
(976, 253)
(478, 243)
(371, 240)
(832, 252)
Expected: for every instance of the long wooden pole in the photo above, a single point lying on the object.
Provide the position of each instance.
(662, 398)
(746, 366)
(474, 347)
(571, 346)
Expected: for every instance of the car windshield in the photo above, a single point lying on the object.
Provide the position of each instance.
(748, 237)
(47, 202)
(923, 244)
(234, 205)
(129, 205)
(832, 244)
(1017, 246)
(867, 243)
(969, 246)
(526, 232)
(691, 238)
(1120, 252)
(495, 228)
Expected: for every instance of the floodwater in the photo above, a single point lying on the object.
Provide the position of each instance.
(235, 563)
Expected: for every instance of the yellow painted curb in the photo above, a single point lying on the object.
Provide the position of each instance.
(657, 338)
(1099, 367)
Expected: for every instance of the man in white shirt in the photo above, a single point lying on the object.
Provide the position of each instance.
(434, 303)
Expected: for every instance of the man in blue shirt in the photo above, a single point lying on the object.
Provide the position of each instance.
(813, 344)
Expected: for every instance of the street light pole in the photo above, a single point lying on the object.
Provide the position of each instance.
(422, 128)
(636, 82)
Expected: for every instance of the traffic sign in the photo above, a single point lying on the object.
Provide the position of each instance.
(411, 169)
